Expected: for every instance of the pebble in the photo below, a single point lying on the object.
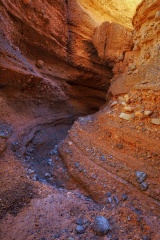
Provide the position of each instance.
(109, 200)
(124, 197)
(77, 165)
(124, 104)
(157, 16)
(47, 175)
(148, 113)
(144, 186)
(140, 176)
(108, 194)
(30, 171)
(116, 200)
(101, 225)
(70, 143)
(114, 103)
(128, 109)
(3, 135)
(126, 116)
(127, 98)
(39, 63)
(155, 121)
(80, 229)
(80, 221)
(103, 158)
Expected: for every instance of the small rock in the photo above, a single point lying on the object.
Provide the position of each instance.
(70, 143)
(103, 158)
(49, 161)
(15, 146)
(148, 113)
(132, 67)
(101, 225)
(39, 63)
(124, 104)
(127, 98)
(129, 109)
(109, 200)
(30, 171)
(30, 149)
(114, 103)
(47, 175)
(94, 176)
(116, 200)
(80, 229)
(77, 165)
(144, 186)
(80, 221)
(126, 116)
(109, 194)
(157, 16)
(140, 176)
(155, 121)
(124, 197)
(3, 135)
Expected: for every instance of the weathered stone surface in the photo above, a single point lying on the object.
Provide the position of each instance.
(112, 49)
(111, 10)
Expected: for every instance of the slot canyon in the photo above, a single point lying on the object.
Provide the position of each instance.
(80, 119)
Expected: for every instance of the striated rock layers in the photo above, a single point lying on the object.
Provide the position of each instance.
(117, 150)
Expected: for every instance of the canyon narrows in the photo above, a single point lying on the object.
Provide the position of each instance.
(80, 119)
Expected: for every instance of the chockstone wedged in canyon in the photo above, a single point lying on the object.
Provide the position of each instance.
(80, 119)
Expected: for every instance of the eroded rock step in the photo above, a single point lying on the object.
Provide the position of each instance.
(101, 151)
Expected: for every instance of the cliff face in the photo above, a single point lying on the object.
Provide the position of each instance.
(54, 34)
(61, 60)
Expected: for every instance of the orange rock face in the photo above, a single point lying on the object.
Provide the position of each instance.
(112, 41)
